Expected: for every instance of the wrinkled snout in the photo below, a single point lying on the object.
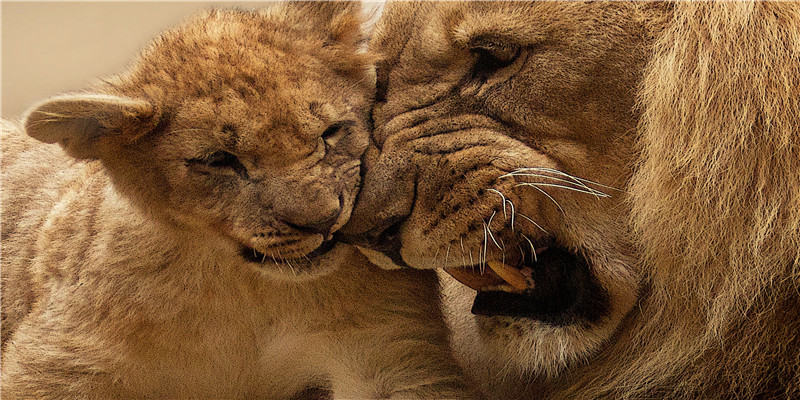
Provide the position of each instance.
(309, 208)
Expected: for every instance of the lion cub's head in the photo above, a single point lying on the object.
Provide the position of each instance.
(246, 126)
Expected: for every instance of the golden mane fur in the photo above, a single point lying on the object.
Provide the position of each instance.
(709, 167)
(716, 206)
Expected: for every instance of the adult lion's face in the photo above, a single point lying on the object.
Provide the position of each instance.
(504, 140)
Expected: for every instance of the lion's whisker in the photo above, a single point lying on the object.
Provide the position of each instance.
(537, 184)
(446, 255)
(534, 223)
(503, 254)
(513, 212)
(503, 198)
(485, 246)
(471, 260)
(544, 193)
(491, 235)
(570, 182)
(461, 241)
(533, 248)
(557, 172)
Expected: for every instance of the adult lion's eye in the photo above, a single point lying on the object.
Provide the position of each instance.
(333, 133)
(222, 159)
(491, 57)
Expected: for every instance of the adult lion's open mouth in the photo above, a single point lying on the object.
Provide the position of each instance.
(549, 284)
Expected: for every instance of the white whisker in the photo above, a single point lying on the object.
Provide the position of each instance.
(537, 184)
(471, 260)
(557, 172)
(461, 240)
(533, 249)
(545, 193)
(586, 189)
(491, 235)
(513, 212)
(501, 197)
(485, 246)
(534, 223)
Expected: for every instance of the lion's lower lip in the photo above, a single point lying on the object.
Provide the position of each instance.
(252, 255)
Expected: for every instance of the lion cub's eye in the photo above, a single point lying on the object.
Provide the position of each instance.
(219, 160)
(492, 56)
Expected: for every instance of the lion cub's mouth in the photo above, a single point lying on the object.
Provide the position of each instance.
(252, 255)
(527, 287)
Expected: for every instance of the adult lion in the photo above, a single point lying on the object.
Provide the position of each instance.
(630, 170)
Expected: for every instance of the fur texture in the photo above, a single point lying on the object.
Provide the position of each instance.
(181, 255)
(657, 141)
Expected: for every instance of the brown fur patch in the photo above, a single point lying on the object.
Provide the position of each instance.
(689, 109)
(175, 258)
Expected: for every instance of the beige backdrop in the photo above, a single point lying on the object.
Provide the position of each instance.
(52, 47)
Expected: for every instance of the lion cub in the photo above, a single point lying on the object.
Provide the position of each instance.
(180, 256)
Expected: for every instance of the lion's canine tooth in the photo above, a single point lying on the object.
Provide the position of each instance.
(509, 274)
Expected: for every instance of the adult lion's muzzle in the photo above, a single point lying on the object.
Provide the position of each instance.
(385, 200)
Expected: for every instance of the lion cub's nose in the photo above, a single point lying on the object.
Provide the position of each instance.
(316, 213)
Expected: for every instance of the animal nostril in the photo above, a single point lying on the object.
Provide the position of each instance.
(322, 226)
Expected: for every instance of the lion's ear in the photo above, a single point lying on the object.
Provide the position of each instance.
(82, 123)
(339, 22)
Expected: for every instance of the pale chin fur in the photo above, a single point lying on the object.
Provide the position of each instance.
(544, 349)
(376, 257)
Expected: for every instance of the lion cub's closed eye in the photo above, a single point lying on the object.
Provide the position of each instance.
(188, 252)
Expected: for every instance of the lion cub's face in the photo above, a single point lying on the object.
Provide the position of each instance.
(241, 126)
(503, 135)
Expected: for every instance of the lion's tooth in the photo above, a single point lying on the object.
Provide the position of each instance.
(473, 279)
(509, 274)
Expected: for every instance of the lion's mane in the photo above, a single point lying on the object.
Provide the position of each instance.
(716, 208)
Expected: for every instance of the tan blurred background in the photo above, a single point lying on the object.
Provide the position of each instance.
(52, 47)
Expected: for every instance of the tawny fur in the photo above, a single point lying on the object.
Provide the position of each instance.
(122, 273)
(692, 109)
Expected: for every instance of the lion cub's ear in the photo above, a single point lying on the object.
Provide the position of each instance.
(339, 22)
(82, 123)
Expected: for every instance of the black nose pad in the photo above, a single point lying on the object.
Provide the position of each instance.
(322, 227)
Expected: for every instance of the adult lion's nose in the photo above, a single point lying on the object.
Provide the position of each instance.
(385, 198)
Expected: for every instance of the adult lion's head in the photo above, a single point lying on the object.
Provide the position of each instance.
(629, 171)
